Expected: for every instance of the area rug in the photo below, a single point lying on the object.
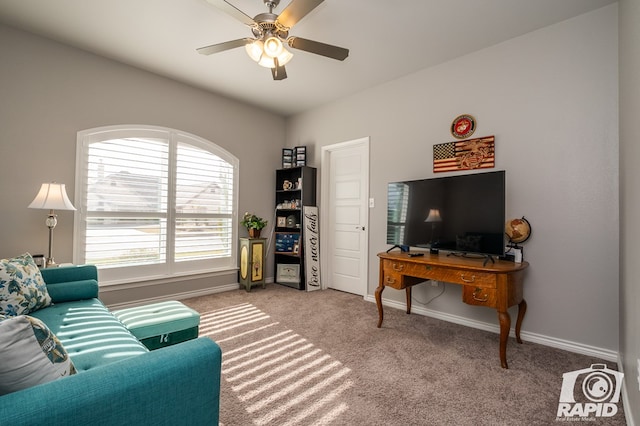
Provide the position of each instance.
(297, 358)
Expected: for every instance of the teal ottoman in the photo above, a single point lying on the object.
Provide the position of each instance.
(160, 324)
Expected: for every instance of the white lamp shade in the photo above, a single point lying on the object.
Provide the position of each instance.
(434, 216)
(268, 62)
(254, 50)
(273, 47)
(52, 196)
(284, 57)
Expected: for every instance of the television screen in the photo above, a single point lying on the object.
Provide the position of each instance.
(463, 213)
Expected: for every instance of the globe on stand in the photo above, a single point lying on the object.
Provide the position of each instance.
(518, 231)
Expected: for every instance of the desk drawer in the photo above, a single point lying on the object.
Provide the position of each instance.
(396, 270)
(481, 296)
(398, 274)
(393, 267)
(410, 269)
(473, 278)
(394, 280)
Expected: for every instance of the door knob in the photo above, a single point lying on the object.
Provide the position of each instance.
(360, 227)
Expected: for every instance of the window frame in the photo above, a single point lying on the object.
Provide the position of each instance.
(170, 268)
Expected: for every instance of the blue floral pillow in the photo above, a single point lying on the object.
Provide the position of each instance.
(22, 289)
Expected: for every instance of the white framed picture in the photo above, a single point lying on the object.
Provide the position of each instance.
(287, 273)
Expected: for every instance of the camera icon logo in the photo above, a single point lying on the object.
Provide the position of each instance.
(590, 391)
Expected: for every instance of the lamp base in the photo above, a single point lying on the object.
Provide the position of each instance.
(51, 263)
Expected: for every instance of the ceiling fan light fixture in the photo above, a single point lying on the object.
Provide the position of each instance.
(254, 50)
(271, 32)
(283, 59)
(266, 62)
(273, 47)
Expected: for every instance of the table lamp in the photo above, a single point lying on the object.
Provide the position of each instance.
(52, 196)
(433, 218)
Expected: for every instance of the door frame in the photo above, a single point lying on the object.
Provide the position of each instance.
(325, 163)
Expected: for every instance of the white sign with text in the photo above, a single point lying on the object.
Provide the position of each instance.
(311, 234)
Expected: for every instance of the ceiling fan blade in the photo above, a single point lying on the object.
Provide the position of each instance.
(230, 9)
(318, 48)
(278, 72)
(297, 10)
(221, 47)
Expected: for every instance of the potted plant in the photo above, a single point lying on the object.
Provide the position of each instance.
(253, 224)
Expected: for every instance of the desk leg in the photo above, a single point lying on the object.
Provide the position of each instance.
(522, 309)
(379, 303)
(409, 299)
(505, 326)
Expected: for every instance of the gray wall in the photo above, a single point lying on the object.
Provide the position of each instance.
(629, 16)
(49, 92)
(550, 97)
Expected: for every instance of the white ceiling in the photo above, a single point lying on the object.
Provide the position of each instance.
(386, 39)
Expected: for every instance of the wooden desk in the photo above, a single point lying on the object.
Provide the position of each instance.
(495, 285)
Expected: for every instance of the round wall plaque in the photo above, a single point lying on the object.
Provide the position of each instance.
(463, 126)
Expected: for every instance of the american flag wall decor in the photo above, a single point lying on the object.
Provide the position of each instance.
(464, 155)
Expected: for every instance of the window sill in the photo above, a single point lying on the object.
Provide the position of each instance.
(152, 280)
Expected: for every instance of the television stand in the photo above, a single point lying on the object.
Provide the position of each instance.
(498, 285)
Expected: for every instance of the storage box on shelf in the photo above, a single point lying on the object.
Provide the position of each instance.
(295, 188)
(300, 156)
(287, 158)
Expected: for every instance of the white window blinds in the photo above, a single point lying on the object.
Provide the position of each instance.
(204, 205)
(154, 202)
(397, 208)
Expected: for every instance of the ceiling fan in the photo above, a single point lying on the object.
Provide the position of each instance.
(271, 34)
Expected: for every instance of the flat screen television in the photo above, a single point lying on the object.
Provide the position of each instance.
(459, 214)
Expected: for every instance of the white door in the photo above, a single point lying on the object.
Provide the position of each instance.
(344, 216)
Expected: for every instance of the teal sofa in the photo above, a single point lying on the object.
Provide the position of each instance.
(119, 381)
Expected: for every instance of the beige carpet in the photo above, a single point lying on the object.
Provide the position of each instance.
(297, 358)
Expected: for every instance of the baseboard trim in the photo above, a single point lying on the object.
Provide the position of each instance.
(180, 296)
(625, 395)
(553, 342)
(176, 296)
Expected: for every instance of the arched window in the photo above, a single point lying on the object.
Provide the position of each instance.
(153, 202)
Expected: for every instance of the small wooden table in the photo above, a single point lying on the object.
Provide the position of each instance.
(495, 285)
(252, 257)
